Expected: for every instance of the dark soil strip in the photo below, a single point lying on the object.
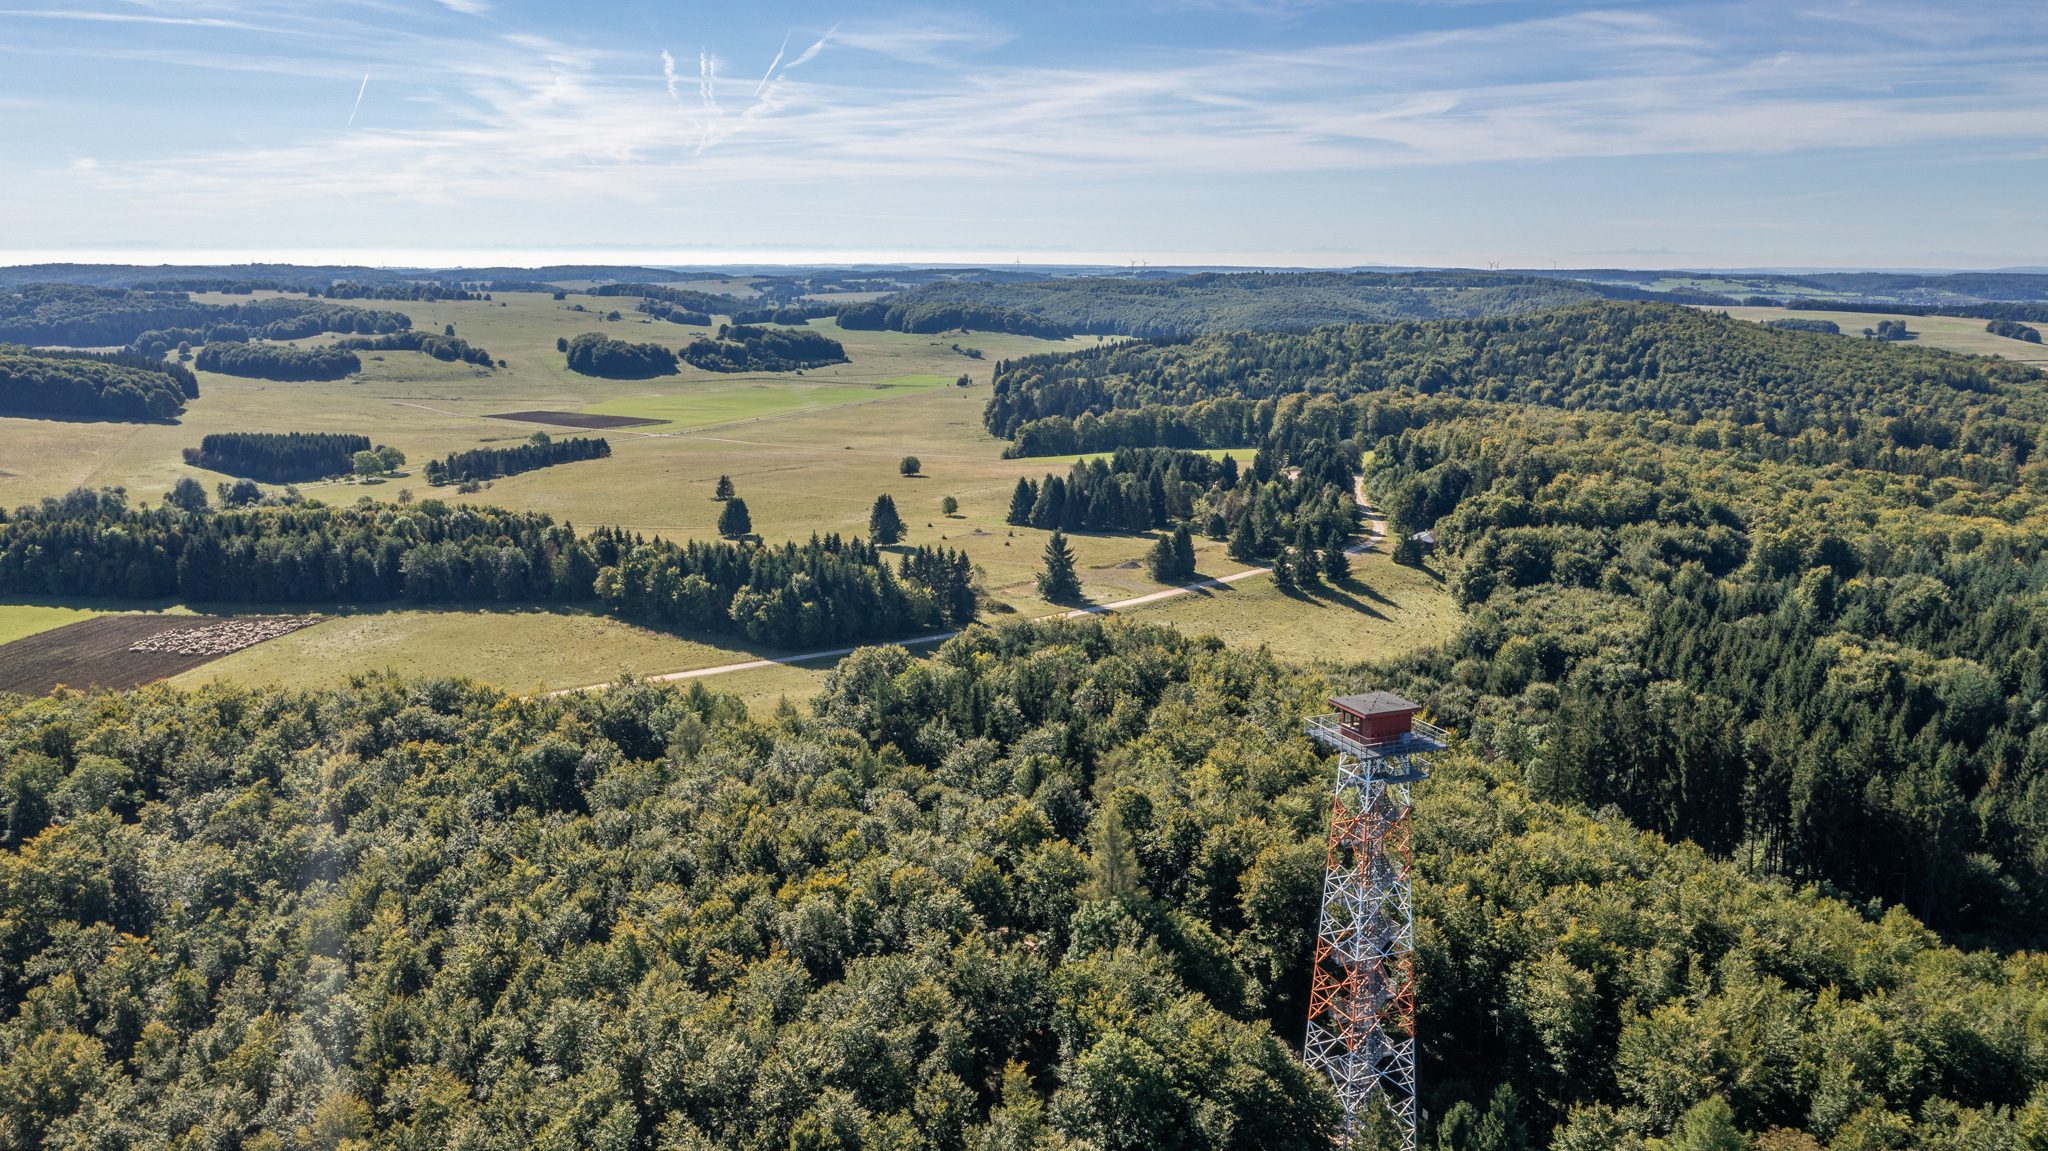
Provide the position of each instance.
(94, 653)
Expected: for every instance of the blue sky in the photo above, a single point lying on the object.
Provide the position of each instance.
(1311, 132)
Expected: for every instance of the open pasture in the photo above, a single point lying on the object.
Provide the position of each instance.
(807, 452)
(582, 421)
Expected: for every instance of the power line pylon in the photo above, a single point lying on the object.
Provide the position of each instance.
(1361, 1023)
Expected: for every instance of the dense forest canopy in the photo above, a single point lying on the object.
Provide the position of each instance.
(114, 386)
(1052, 889)
(1209, 302)
(1681, 362)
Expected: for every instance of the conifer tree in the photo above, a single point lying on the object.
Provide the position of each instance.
(1244, 540)
(1183, 551)
(724, 489)
(1059, 582)
(733, 520)
(1021, 501)
(884, 525)
(1336, 565)
(1160, 563)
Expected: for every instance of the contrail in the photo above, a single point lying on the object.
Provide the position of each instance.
(707, 79)
(668, 73)
(771, 67)
(359, 100)
(811, 53)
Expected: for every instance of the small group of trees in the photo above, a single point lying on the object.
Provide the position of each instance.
(381, 460)
(1890, 331)
(749, 348)
(2014, 330)
(1172, 558)
(539, 451)
(594, 354)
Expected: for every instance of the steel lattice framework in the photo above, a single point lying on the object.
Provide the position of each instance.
(1361, 1029)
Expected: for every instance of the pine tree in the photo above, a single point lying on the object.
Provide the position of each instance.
(1021, 501)
(1244, 540)
(1051, 505)
(1336, 565)
(1183, 551)
(1059, 582)
(1306, 572)
(733, 520)
(884, 525)
(1283, 574)
(724, 489)
(1160, 562)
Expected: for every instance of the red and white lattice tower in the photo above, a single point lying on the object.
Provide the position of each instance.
(1361, 1021)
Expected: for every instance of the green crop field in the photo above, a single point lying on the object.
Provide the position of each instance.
(18, 621)
(807, 452)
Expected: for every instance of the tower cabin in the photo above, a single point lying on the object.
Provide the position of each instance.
(1376, 717)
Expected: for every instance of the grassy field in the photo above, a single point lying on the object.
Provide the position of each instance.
(808, 453)
(1953, 333)
(19, 621)
(761, 399)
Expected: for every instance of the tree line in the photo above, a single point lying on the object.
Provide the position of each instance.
(768, 310)
(748, 348)
(1180, 306)
(92, 544)
(278, 457)
(153, 322)
(95, 386)
(539, 452)
(446, 348)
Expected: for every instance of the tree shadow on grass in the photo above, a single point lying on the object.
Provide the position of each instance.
(1323, 595)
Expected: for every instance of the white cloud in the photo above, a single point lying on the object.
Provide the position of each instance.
(530, 119)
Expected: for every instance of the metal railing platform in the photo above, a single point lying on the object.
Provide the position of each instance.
(1420, 739)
